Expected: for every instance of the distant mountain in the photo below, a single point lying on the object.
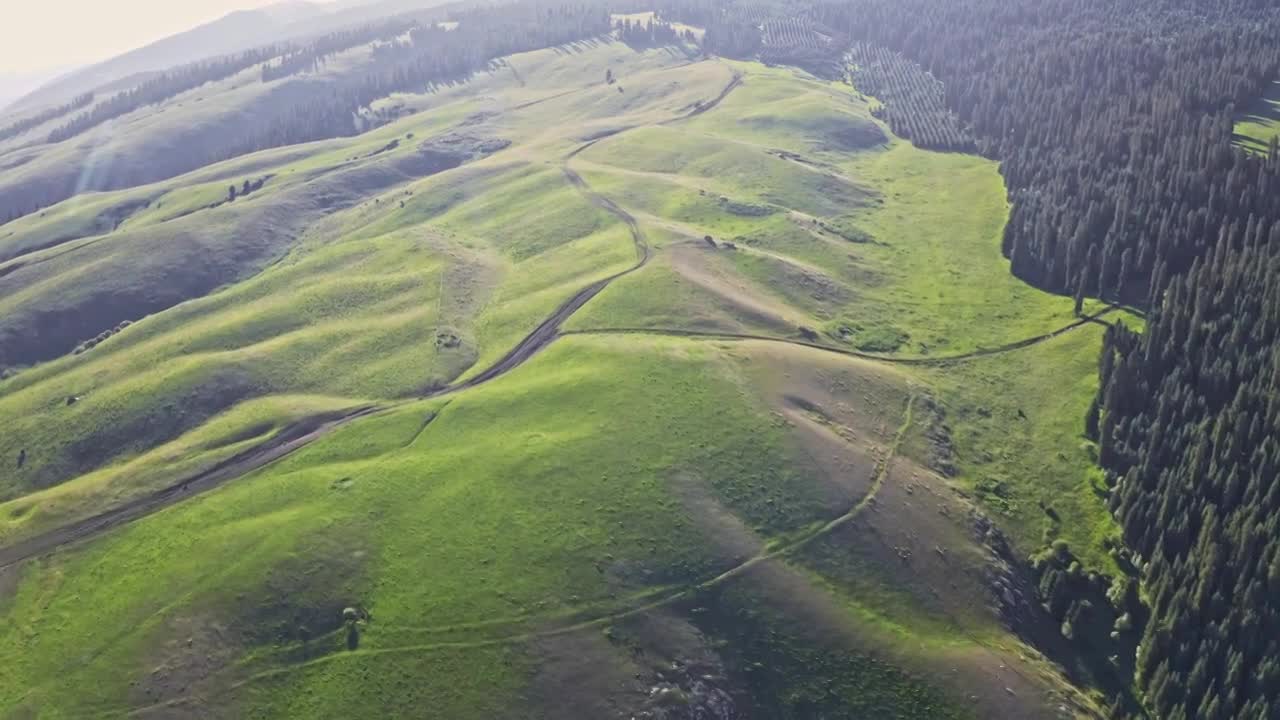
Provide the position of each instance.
(233, 33)
(16, 85)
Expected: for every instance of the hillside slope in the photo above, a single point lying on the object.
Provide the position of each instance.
(672, 390)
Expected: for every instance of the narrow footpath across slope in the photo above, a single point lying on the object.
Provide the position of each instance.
(887, 359)
(643, 605)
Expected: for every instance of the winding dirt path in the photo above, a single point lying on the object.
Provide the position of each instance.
(283, 443)
(549, 330)
(887, 359)
(305, 432)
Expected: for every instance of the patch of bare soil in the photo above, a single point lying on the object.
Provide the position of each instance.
(732, 293)
(447, 151)
(733, 541)
(994, 681)
(807, 285)
(842, 413)
(9, 577)
(924, 539)
(918, 532)
(864, 398)
(654, 667)
(189, 663)
(842, 462)
(299, 608)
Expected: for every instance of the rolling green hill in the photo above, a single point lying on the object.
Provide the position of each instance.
(560, 396)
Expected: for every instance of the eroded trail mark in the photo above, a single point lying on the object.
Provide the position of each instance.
(549, 329)
(705, 107)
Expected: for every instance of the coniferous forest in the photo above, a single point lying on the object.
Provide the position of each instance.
(1190, 417)
(158, 89)
(1113, 123)
(40, 118)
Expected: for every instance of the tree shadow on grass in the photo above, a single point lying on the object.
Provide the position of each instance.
(1265, 111)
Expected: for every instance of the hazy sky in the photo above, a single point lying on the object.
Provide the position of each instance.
(36, 35)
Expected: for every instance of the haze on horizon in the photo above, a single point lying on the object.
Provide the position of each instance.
(42, 37)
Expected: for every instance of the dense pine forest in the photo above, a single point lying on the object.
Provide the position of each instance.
(1190, 417)
(1112, 122)
(159, 89)
(1114, 126)
(40, 118)
(313, 55)
(436, 53)
(914, 102)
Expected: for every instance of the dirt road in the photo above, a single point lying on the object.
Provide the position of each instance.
(888, 359)
(286, 441)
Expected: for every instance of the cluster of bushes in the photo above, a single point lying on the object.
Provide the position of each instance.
(100, 338)
(249, 187)
(1100, 617)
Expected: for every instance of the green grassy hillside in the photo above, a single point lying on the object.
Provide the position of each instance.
(756, 467)
(1261, 121)
(429, 267)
